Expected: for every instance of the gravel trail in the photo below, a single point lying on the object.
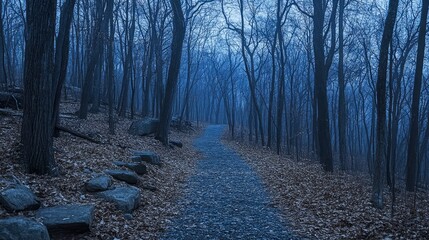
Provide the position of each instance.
(225, 199)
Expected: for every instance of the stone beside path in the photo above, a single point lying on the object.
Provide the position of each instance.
(148, 157)
(126, 199)
(67, 219)
(100, 183)
(19, 198)
(138, 168)
(20, 228)
(225, 199)
(123, 175)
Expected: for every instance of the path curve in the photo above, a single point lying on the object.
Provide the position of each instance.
(225, 199)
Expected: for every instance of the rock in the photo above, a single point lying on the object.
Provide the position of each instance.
(150, 188)
(144, 127)
(67, 219)
(100, 183)
(128, 216)
(17, 228)
(137, 167)
(148, 157)
(125, 198)
(124, 175)
(19, 198)
(177, 144)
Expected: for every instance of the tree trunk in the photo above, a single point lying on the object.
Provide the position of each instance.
(321, 75)
(342, 114)
(36, 132)
(380, 155)
(413, 143)
(97, 47)
(173, 71)
(3, 77)
(110, 66)
(61, 58)
(128, 65)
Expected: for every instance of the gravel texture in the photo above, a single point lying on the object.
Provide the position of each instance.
(225, 199)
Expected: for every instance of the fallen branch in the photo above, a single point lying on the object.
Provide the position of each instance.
(7, 112)
(77, 134)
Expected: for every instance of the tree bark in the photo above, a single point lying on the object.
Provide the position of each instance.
(322, 66)
(128, 64)
(36, 132)
(413, 143)
(97, 47)
(380, 155)
(173, 71)
(342, 114)
(61, 58)
(3, 77)
(110, 66)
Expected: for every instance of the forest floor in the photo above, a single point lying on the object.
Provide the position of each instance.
(321, 205)
(78, 158)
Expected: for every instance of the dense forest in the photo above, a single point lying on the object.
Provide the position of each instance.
(341, 82)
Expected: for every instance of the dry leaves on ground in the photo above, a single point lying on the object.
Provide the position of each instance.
(320, 205)
(77, 158)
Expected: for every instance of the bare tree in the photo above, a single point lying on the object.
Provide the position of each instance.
(322, 66)
(62, 57)
(380, 156)
(413, 143)
(36, 131)
(3, 77)
(173, 71)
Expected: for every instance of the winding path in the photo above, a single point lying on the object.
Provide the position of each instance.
(225, 199)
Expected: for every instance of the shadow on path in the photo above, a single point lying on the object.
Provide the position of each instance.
(225, 199)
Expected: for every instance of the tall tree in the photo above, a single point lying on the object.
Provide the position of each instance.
(110, 65)
(342, 114)
(101, 24)
(173, 71)
(128, 63)
(413, 143)
(3, 78)
(61, 57)
(36, 131)
(321, 71)
(380, 155)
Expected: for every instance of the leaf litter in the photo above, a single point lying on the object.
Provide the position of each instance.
(321, 205)
(78, 160)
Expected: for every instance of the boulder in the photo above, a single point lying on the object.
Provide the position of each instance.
(177, 144)
(19, 198)
(126, 198)
(17, 228)
(148, 157)
(100, 183)
(137, 167)
(143, 127)
(124, 175)
(67, 219)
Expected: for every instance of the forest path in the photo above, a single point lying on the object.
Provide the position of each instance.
(225, 199)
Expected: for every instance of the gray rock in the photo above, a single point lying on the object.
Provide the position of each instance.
(137, 167)
(18, 228)
(126, 198)
(19, 198)
(67, 219)
(124, 175)
(177, 144)
(100, 183)
(144, 127)
(148, 157)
